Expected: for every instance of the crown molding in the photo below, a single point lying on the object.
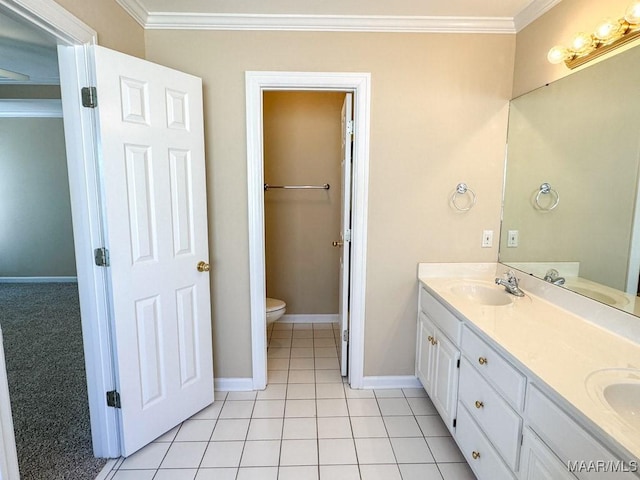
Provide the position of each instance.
(329, 23)
(533, 11)
(321, 23)
(136, 9)
(334, 23)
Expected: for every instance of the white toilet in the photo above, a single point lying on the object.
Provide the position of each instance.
(275, 309)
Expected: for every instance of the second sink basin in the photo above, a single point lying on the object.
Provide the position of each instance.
(619, 390)
(624, 399)
(482, 293)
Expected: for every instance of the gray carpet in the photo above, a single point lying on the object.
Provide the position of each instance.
(47, 382)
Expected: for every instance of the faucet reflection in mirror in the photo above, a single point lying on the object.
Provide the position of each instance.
(608, 35)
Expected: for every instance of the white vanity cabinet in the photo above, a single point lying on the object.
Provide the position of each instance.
(508, 423)
(438, 356)
(491, 393)
(570, 442)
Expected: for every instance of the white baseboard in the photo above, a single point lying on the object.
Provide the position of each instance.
(38, 279)
(310, 318)
(241, 384)
(391, 381)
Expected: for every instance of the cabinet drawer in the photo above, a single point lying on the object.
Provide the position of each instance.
(471, 440)
(496, 418)
(446, 321)
(569, 441)
(492, 366)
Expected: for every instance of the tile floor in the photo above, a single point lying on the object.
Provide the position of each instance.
(307, 424)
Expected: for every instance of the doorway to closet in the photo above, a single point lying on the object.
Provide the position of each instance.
(352, 223)
(307, 203)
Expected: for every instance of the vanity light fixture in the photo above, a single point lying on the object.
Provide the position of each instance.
(608, 35)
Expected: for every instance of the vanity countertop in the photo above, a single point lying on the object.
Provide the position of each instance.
(559, 347)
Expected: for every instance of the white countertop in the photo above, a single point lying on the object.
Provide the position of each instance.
(559, 347)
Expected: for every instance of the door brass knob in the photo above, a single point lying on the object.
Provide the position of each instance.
(479, 404)
(337, 244)
(475, 455)
(203, 267)
(482, 361)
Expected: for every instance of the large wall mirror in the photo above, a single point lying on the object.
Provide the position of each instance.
(571, 187)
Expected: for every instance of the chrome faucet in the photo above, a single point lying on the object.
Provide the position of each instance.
(510, 283)
(552, 276)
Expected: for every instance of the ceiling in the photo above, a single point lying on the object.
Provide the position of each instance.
(485, 16)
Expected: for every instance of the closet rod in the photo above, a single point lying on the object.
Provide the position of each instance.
(298, 187)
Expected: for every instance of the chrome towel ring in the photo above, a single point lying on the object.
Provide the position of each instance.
(545, 189)
(463, 189)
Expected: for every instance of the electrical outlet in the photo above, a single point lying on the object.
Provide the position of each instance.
(487, 238)
(512, 238)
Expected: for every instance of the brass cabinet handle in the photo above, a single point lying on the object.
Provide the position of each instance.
(337, 244)
(203, 267)
(479, 404)
(482, 361)
(475, 455)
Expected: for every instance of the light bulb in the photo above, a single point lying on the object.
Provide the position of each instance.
(558, 54)
(582, 43)
(632, 15)
(608, 30)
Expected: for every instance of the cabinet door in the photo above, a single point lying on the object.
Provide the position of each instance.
(445, 381)
(537, 461)
(426, 353)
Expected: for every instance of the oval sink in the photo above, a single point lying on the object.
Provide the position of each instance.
(482, 294)
(617, 389)
(624, 398)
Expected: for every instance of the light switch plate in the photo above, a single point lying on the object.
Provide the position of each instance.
(487, 238)
(512, 238)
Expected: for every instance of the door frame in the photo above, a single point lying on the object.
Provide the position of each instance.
(360, 85)
(75, 63)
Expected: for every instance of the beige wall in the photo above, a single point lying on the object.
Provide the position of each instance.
(116, 29)
(36, 238)
(438, 117)
(557, 27)
(302, 146)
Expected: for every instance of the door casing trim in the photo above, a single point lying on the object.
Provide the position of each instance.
(360, 84)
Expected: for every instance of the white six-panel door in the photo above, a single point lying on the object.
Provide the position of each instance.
(152, 165)
(345, 230)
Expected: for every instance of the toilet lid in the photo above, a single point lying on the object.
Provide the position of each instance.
(274, 304)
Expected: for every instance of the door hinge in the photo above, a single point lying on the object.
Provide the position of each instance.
(345, 335)
(101, 256)
(458, 364)
(113, 399)
(350, 127)
(347, 235)
(89, 97)
(455, 420)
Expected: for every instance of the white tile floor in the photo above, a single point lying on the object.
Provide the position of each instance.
(307, 424)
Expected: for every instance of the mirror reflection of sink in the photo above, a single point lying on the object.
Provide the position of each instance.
(617, 389)
(599, 296)
(624, 398)
(482, 293)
